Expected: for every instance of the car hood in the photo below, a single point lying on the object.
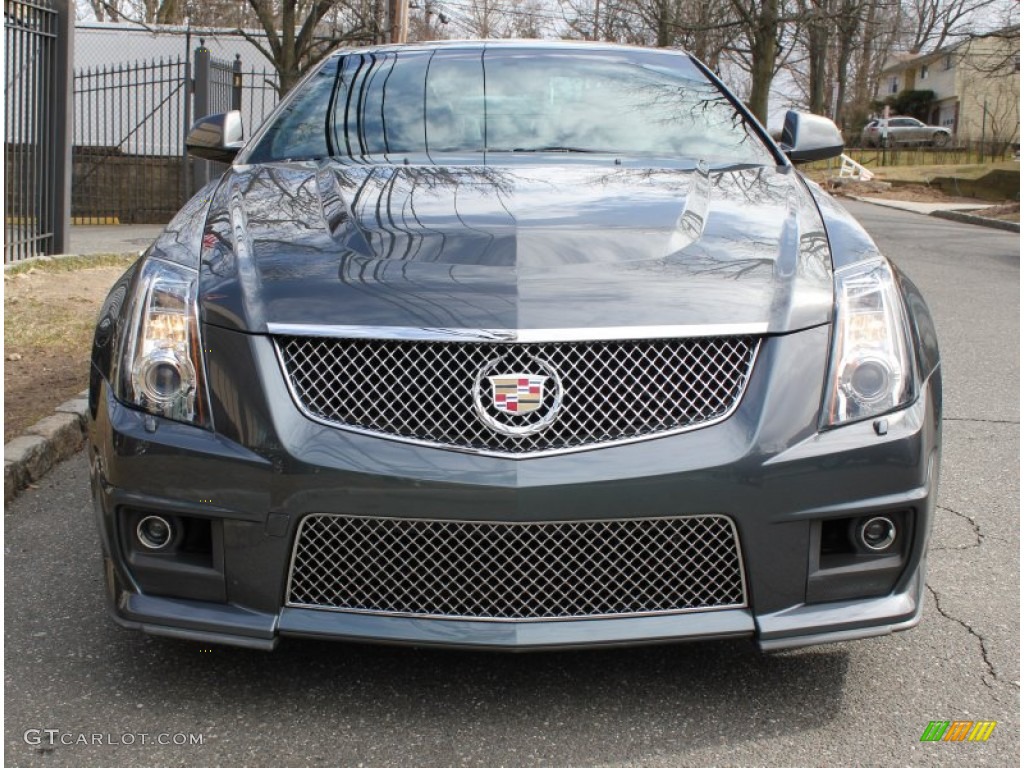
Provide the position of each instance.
(320, 244)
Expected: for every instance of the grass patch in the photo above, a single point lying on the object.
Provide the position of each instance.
(922, 174)
(32, 324)
(916, 174)
(50, 310)
(73, 263)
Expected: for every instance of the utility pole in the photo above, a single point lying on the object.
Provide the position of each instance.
(884, 135)
(398, 18)
(981, 149)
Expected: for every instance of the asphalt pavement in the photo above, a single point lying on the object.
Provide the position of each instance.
(70, 671)
(90, 239)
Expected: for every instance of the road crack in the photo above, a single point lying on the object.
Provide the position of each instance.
(979, 537)
(974, 633)
(981, 421)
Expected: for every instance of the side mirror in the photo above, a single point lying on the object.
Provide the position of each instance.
(807, 137)
(216, 137)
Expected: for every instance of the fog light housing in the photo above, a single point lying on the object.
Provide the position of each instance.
(867, 380)
(875, 534)
(164, 377)
(155, 532)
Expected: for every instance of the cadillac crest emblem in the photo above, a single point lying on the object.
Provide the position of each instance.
(516, 395)
(517, 392)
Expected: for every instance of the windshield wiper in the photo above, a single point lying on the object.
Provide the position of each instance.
(556, 148)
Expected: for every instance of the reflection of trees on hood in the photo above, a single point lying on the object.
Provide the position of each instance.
(281, 199)
(754, 185)
(675, 179)
(388, 195)
(745, 259)
(276, 206)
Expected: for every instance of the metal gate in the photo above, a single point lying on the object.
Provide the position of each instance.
(128, 159)
(37, 51)
(130, 164)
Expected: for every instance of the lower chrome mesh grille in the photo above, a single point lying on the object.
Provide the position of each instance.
(545, 570)
(589, 393)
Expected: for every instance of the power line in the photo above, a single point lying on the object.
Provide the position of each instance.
(539, 13)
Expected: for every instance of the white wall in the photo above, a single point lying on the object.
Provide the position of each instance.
(103, 44)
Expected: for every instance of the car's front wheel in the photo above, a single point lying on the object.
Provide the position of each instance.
(940, 139)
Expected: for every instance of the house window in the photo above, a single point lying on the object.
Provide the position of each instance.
(894, 84)
(924, 72)
(948, 64)
(1016, 63)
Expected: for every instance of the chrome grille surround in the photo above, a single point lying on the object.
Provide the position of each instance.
(501, 571)
(613, 391)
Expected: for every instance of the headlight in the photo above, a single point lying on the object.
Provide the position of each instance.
(160, 369)
(871, 372)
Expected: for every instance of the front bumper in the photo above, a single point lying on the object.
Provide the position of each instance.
(267, 467)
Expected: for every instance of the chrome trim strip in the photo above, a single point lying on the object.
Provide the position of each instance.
(517, 335)
(504, 454)
(441, 617)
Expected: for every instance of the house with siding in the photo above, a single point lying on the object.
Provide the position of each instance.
(976, 83)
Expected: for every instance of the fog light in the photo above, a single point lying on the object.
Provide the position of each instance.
(154, 532)
(876, 534)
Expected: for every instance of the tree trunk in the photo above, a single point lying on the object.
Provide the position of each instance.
(763, 50)
(169, 12)
(817, 50)
(848, 28)
(859, 106)
(664, 27)
(288, 67)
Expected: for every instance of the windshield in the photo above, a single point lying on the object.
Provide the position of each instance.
(387, 106)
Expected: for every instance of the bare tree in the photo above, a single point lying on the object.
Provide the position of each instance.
(500, 18)
(930, 24)
(292, 43)
(428, 22)
(761, 28)
(607, 20)
(99, 9)
(819, 31)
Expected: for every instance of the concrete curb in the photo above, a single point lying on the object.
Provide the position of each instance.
(981, 221)
(45, 444)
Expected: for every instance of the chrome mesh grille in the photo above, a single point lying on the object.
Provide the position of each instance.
(424, 391)
(516, 570)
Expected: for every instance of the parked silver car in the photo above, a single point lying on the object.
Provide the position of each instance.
(903, 130)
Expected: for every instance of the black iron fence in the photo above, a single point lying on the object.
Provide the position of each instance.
(37, 52)
(961, 152)
(258, 94)
(128, 160)
(130, 164)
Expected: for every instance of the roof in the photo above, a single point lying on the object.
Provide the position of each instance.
(905, 60)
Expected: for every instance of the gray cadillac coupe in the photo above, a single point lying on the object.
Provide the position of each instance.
(514, 346)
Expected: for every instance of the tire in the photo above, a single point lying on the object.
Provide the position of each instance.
(940, 139)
